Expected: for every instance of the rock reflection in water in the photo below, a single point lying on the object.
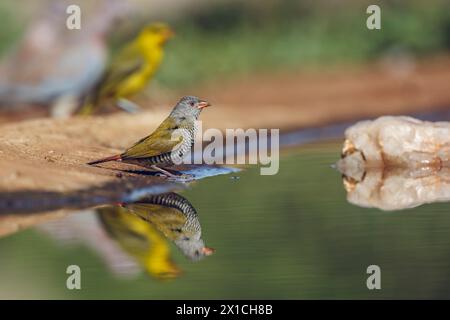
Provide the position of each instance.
(394, 163)
(396, 188)
(143, 228)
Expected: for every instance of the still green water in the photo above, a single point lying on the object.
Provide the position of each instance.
(288, 236)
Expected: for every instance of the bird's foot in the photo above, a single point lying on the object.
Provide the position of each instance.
(173, 175)
(181, 177)
(128, 106)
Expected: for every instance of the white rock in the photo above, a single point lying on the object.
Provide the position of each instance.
(399, 141)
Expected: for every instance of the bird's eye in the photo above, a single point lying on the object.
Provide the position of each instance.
(192, 104)
(186, 239)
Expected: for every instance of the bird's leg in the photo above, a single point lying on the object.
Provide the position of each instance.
(171, 173)
(165, 172)
(128, 106)
(180, 174)
(64, 106)
(174, 172)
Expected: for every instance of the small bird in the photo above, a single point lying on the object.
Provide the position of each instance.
(176, 218)
(131, 70)
(54, 66)
(169, 143)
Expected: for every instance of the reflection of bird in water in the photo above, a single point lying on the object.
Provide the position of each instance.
(163, 147)
(139, 239)
(130, 70)
(141, 227)
(177, 219)
(54, 65)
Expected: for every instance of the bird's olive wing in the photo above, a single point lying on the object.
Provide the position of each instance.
(162, 140)
(169, 221)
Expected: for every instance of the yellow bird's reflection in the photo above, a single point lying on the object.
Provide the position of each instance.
(143, 227)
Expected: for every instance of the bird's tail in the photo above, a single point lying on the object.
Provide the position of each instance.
(116, 157)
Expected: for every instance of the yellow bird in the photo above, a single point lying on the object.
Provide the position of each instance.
(131, 70)
(141, 240)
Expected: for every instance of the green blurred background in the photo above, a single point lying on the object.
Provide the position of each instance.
(220, 39)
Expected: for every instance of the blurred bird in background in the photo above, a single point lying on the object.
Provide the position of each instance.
(163, 147)
(130, 71)
(53, 65)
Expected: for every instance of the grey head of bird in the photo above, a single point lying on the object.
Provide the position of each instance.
(193, 247)
(189, 108)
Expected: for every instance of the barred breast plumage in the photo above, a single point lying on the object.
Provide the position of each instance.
(176, 201)
(177, 155)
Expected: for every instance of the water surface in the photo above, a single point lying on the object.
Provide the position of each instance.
(292, 235)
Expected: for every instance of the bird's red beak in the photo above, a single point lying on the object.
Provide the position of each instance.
(208, 251)
(203, 104)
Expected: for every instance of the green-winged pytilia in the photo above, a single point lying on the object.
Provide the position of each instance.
(175, 217)
(163, 148)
